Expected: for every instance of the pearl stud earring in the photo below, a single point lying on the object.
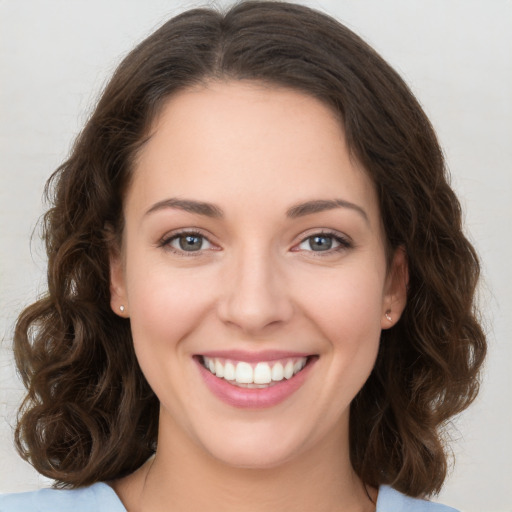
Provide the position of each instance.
(388, 315)
(121, 308)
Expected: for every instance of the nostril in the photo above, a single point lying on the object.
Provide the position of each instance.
(251, 315)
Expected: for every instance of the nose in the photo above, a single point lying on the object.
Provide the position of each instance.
(255, 297)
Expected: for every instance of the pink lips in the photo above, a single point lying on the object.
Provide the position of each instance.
(251, 398)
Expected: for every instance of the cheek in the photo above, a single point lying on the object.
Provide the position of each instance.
(343, 307)
(346, 304)
(346, 309)
(166, 305)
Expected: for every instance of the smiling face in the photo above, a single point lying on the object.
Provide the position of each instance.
(253, 249)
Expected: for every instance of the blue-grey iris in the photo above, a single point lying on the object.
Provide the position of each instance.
(191, 242)
(320, 243)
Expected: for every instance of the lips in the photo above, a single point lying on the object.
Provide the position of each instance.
(254, 380)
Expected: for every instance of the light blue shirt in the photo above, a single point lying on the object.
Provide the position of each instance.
(101, 497)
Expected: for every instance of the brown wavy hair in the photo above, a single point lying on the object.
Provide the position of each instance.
(89, 414)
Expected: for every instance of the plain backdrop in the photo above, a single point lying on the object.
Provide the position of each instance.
(55, 56)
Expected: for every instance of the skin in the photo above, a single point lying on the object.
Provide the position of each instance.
(253, 151)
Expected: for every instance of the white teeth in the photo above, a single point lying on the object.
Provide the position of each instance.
(297, 367)
(245, 374)
(277, 372)
(262, 374)
(219, 369)
(288, 370)
(229, 371)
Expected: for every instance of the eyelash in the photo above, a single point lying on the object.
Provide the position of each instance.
(166, 241)
(344, 243)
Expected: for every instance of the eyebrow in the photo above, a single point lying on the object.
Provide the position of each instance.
(188, 205)
(298, 210)
(322, 205)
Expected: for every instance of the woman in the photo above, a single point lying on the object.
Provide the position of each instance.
(259, 292)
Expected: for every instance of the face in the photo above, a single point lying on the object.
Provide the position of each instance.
(254, 273)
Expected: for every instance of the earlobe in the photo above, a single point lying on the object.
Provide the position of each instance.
(395, 297)
(118, 298)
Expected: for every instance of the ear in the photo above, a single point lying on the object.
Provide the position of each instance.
(118, 296)
(395, 292)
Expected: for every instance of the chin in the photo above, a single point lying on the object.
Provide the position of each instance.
(253, 450)
(253, 459)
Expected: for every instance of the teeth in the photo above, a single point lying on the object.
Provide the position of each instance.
(277, 372)
(288, 370)
(247, 375)
(262, 374)
(244, 373)
(229, 371)
(219, 369)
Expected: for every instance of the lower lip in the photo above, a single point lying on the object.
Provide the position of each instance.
(254, 398)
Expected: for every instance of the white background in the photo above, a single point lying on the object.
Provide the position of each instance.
(55, 55)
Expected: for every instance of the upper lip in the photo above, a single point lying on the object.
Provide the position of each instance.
(253, 357)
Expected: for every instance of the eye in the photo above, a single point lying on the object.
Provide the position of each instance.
(323, 242)
(187, 242)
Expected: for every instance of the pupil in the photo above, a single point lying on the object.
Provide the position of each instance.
(190, 243)
(321, 243)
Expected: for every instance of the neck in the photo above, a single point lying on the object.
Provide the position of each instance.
(182, 477)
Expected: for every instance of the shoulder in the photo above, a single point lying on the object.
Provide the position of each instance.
(390, 500)
(98, 498)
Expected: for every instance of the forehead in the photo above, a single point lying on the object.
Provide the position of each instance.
(251, 140)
